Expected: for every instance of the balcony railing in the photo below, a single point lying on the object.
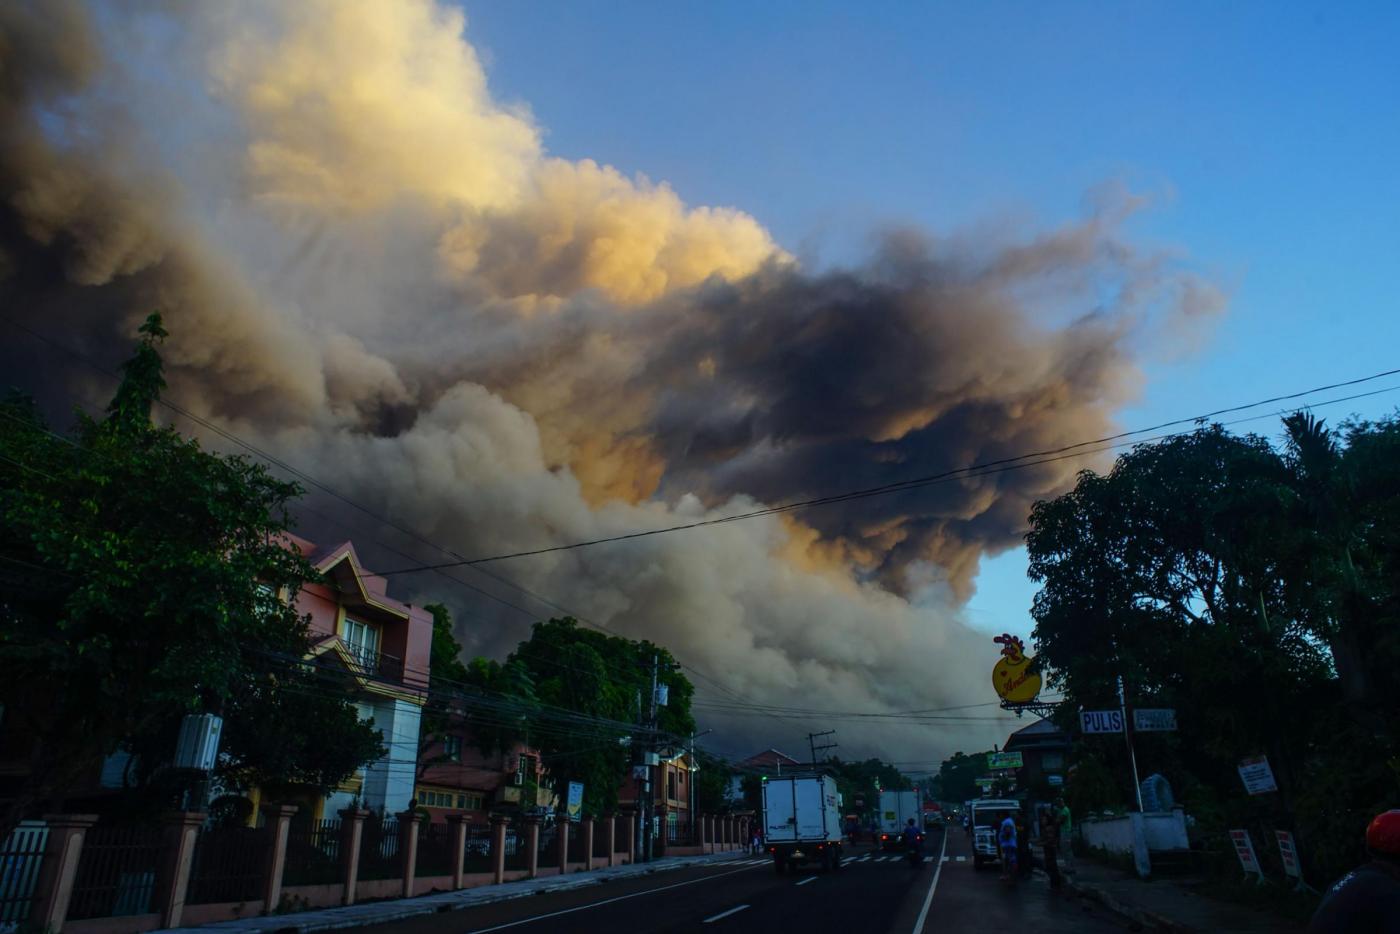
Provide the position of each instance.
(376, 665)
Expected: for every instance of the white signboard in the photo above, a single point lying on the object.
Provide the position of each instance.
(1055, 779)
(1159, 721)
(1244, 849)
(1257, 776)
(1101, 721)
(1289, 853)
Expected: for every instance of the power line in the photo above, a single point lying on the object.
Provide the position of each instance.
(978, 469)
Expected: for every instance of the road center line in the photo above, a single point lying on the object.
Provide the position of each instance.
(933, 886)
(724, 914)
(808, 879)
(609, 901)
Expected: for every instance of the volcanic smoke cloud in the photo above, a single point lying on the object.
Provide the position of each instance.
(375, 270)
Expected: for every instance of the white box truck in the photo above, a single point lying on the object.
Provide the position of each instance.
(896, 807)
(802, 821)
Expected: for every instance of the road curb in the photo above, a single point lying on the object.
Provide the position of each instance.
(1146, 919)
(366, 914)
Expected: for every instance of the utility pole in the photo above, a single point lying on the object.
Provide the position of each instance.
(812, 741)
(1128, 735)
(694, 770)
(650, 782)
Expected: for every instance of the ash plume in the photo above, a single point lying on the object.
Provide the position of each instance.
(373, 269)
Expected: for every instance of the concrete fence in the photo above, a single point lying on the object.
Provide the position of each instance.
(1137, 835)
(86, 876)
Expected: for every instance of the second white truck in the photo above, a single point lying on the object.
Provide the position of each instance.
(802, 821)
(896, 807)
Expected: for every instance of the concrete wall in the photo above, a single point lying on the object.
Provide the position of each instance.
(388, 783)
(1166, 830)
(1114, 834)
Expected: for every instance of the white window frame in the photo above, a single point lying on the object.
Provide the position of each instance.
(362, 639)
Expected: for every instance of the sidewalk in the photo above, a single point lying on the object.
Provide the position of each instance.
(1169, 904)
(352, 916)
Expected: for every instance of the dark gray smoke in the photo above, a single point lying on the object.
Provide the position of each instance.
(503, 350)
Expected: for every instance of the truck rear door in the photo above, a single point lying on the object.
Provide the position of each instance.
(811, 824)
(779, 812)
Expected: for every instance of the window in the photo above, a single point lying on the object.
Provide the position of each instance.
(524, 769)
(462, 801)
(671, 785)
(363, 641)
(452, 748)
(1052, 761)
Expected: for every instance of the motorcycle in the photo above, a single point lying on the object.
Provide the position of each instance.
(915, 853)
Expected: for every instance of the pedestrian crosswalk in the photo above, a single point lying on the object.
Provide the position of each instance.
(849, 860)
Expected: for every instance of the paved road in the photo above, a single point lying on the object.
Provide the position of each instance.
(873, 892)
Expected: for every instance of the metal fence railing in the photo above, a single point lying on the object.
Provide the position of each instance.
(436, 845)
(478, 846)
(549, 847)
(229, 865)
(576, 841)
(21, 856)
(116, 872)
(517, 849)
(313, 853)
(379, 849)
(679, 832)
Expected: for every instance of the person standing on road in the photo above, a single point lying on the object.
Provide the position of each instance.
(1367, 899)
(1025, 861)
(1062, 817)
(1006, 840)
(1050, 842)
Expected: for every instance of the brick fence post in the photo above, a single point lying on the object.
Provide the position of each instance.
(181, 832)
(499, 823)
(352, 832)
(279, 822)
(59, 869)
(611, 834)
(409, 822)
(532, 840)
(561, 841)
(458, 823)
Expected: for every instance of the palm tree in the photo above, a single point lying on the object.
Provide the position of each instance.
(1331, 526)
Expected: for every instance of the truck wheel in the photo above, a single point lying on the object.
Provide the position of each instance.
(836, 860)
(826, 861)
(778, 865)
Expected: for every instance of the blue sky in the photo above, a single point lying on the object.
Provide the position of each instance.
(1267, 133)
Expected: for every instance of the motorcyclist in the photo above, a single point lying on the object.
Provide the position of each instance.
(913, 840)
(1367, 898)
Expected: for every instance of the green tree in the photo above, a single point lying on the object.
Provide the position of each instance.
(1252, 589)
(144, 578)
(957, 776)
(564, 680)
(443, 713)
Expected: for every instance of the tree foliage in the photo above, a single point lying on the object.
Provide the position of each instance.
(957, 777)
(1256, 591)
(141, 578)
(567, 679)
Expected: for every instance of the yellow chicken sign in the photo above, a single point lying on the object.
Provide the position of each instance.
(1012, 677)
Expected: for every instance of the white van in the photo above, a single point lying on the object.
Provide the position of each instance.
(987, 815)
